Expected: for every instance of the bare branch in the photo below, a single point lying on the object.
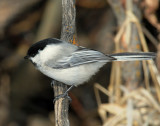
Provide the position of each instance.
(67, 34)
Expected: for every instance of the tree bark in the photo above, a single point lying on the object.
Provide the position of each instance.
(67, 34)
(131, 71)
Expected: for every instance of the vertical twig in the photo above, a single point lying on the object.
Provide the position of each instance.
(68, 20)
(67, 34)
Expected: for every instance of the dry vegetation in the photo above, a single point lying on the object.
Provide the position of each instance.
(124, 94)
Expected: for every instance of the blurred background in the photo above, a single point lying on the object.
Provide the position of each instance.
(26, 97)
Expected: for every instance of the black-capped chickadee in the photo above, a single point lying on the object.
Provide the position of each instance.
(71, 64)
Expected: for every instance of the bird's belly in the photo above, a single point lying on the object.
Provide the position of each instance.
(74, 75)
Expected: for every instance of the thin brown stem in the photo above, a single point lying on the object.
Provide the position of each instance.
(67, 34)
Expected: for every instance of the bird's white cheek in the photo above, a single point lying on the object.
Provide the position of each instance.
(49, 52)
(36, 59)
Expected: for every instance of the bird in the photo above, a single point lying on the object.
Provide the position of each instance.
(74, 65)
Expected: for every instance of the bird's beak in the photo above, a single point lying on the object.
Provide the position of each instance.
(26, 57)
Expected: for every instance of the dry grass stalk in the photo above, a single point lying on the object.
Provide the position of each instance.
(146, 74)
(144, 107)
(142, 103)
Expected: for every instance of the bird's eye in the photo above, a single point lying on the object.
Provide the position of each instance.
(32, 55)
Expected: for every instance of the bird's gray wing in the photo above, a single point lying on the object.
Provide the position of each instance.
(79, 57)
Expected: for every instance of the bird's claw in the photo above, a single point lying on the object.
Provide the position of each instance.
(52, 83)
(65, 95)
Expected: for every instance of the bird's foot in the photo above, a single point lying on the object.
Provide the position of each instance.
(65, 95)
(52, 83)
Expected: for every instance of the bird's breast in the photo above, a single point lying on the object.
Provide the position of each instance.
(74, 75)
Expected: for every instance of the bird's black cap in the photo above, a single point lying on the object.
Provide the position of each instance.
(33, 50)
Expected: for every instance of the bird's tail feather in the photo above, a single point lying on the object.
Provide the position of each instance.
(133, 56)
